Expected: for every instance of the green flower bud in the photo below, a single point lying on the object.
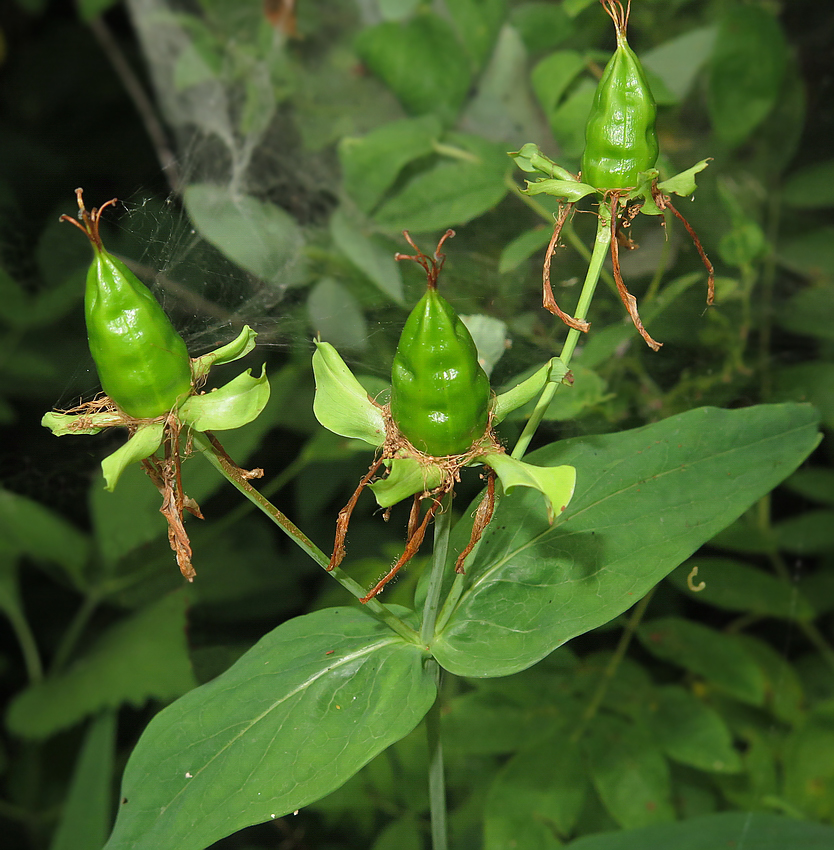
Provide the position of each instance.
(440, 395)
(141, 360)
(620, 136)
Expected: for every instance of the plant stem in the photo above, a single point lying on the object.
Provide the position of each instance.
(442, 527)
(215, 455)
(616, 659)
(601, 245)
(26, 641)
(74, 631)
(437, 780)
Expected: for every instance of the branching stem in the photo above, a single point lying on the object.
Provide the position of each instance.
(220, 461)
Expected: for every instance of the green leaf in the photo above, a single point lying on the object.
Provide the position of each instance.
(336, 316)
(736, 586)
(370, 164)
(87, 813)
(746, 71)
(569, 120)
(812, 187)
(502, 108)
(451, 192)
(677, 61)
(645, 500)
(811, 311)
(690, 732)
(260, 237)
(683, 183)
(373, 261)
(813, 483)
(810, 533)
(809, 766)
(234, 350)
(530, 159)
(717, 657)
(342, 404)
(490, 337)
(28, 528)
(536, 796)
(231, 406)
(89, 9)
(555, 483)
(421, 61)
(744, 830)
(477, 23)
(552, 76)
(784, 694)
(141, 445)
(300, 713)
(570, 190)
(811, 253)
(71, 424)
(629, 772)
(541, 25)
(523, 247)
(142, 658)
(407, 477)
(811, 382)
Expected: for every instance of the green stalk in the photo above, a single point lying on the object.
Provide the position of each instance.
(437, 781)
(215, 455)
(601, 246)
(442, 528)
(26, 641)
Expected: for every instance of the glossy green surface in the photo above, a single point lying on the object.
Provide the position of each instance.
(620, 136)
(142, 361)
(440, 394)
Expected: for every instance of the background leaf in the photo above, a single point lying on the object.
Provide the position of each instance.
(88, 810)
(760, 832)
(746, 71)
(141, 658)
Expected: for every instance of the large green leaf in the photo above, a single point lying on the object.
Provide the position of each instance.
(747, 830)
(309, 705)
(645, 500)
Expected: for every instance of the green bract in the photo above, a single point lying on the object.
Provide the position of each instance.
(439, 392)
(620, 136)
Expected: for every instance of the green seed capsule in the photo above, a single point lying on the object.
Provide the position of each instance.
(440, 394)
(620, 136)
(142, 361)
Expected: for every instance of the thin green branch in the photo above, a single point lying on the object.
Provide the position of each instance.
(608, 674)
(70, 638)
(26, 641)
(221, 462)
(601, 245)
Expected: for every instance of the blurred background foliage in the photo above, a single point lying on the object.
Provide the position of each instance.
(267, 158)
